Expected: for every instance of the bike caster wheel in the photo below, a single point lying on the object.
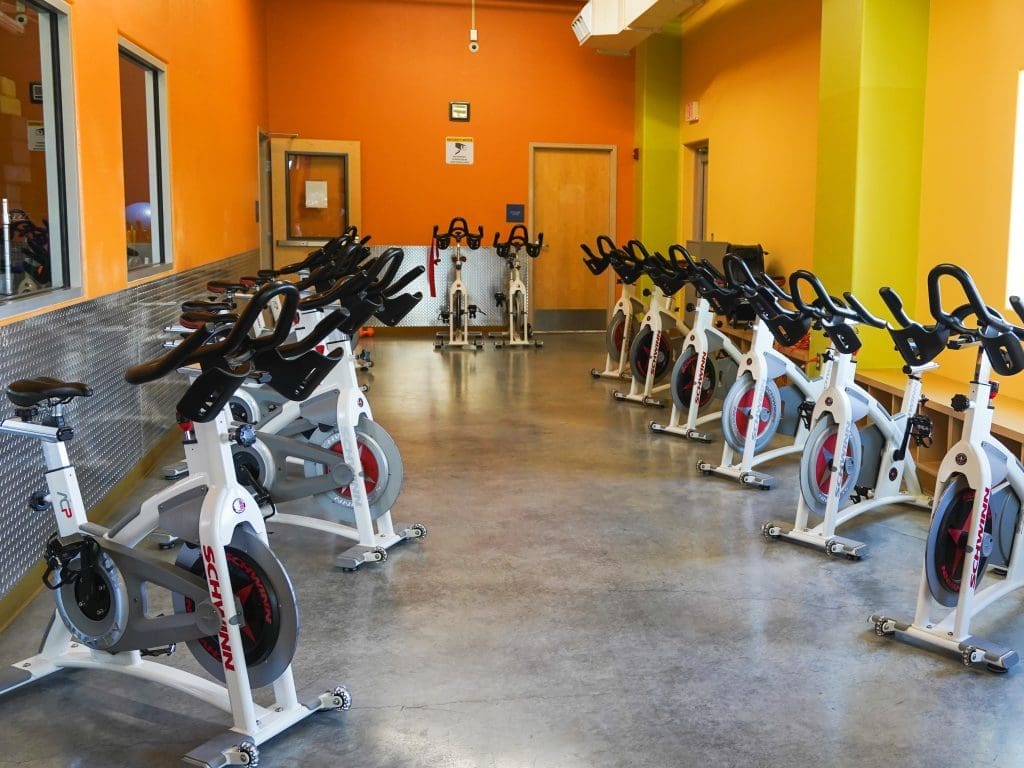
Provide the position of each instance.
(248, 754)
(595, 373)
(884, 628)
(770, 531)
(703, 467)
(342, 698)
(419, 530)
(379, 555)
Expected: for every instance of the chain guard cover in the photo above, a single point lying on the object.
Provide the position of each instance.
(383, 470)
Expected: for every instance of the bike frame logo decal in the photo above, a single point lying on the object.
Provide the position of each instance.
(65, 505)
(238, 506)
(979, 536)
(213, 579)
(698, 380)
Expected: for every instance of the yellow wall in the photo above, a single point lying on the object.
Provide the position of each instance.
(214, 53)
(754, 68)
(974, 55)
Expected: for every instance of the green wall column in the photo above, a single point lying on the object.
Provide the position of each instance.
(870, 131)
(656, 193)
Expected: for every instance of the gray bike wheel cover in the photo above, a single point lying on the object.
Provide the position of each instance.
(104, 633)
(731, 433)
(269, 669)
(815, 499)
(390, 473)
(613, 331)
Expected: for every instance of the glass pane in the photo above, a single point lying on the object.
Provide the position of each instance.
(25, 258)
(317, 189)
(136, 92)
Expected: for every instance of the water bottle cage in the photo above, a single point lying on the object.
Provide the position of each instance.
(59, 557)
(806, 410)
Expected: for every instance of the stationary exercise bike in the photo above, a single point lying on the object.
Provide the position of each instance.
(975, 531)
(459, 311)
(315, 434)
(623, 323)
(232, 602)
(520, 331)
(756, 408)
(653, 349)
(857, 455)
(706, 368)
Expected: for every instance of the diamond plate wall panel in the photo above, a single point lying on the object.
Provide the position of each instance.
(94, 342)
(484, 274)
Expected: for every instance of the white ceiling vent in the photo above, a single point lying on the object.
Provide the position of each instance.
(618, 26)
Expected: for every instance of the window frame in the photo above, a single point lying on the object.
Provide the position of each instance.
(63, 172)
(1015, 245)
(158, 146)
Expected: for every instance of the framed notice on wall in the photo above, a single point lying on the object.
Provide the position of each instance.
(458, 150)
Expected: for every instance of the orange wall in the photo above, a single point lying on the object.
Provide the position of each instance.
(753, 66)
(215, 62)
(974, 55)
(382, 72)
(214, 57)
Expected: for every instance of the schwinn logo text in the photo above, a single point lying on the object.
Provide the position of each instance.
(227, 658)
(979, 536)
(698, 380)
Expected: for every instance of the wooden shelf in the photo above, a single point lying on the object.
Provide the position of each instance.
(1007, 421)
(802, 356)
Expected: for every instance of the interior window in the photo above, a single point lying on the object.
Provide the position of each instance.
(34, 253)
(143, 136)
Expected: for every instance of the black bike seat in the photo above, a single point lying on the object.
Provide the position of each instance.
(25, 393)
(198, 305)
(224, 286)
(195, 318)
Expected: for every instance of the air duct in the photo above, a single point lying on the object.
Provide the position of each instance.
(618, 26)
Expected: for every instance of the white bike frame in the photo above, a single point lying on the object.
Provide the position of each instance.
(704, 339)
(846, 403)
(629, 305)
(986, 465)
(459, 335)
(763, 362)
(226, 505)
(660, 317)
(517, 336)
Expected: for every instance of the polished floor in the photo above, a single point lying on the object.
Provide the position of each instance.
(583, 600)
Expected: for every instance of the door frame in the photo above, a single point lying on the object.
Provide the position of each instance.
(280, 145)
(613, 183)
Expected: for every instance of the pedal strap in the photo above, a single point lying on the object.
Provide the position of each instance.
(59, 556)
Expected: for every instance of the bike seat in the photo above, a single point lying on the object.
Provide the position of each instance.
(224, 286)
(25, 393)
(195, 318)
(198, 305)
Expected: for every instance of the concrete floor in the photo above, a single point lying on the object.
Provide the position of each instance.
(583, 600)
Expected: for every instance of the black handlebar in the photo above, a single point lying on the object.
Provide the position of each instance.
(458, 230)
(983, 314)
(194, 349)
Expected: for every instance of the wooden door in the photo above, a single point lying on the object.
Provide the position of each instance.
(315, 193)
(573, 201)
